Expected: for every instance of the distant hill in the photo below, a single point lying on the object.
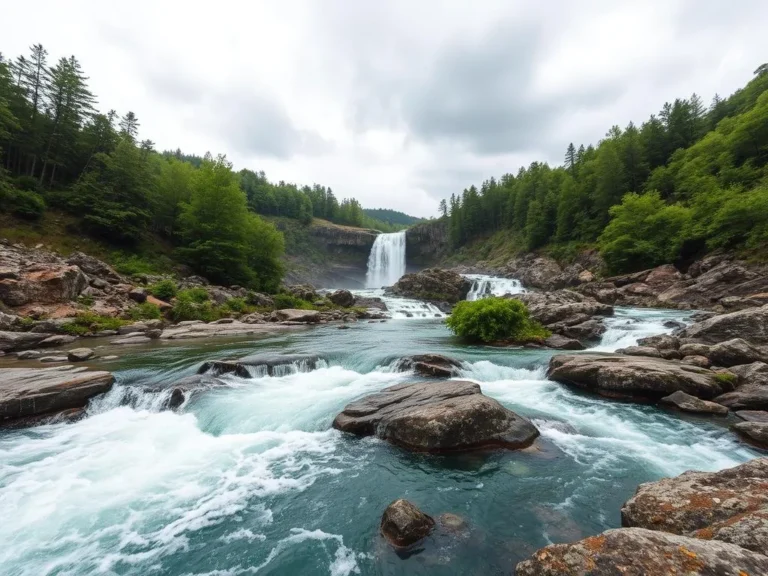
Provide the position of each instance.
(390, 216)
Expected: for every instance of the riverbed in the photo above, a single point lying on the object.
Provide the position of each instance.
(250, 478)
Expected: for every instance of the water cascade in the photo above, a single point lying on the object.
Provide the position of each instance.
(483, 286)
(386, 263)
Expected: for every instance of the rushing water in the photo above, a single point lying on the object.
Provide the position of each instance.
(251, 479)
(386, 263)
(483, 286)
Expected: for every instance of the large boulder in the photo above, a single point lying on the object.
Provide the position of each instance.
(294, 315)
(437, 417)
(12, 341)
(94, 267)
(750, 325)
(634, 376)
(29, 392)
(402, 524)
(559, 342)
(564, 307)
(343, 298)
(751, 391)
(757, 433)
(43, 284)
(735, 352)
(639, 552)
(433, 284)
(730, 505)
(434, 365)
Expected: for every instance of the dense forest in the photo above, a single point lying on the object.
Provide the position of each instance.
(58, 152)
(392, 217)
(691, 179)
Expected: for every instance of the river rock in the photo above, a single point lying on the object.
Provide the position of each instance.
(433, 284)
(446, 416)
(343, 298)
(372, 302)
(660, 342)
(79, 354)
(634, 376)
(132, 328)
(757, 432)
(559, 342)
(694, 349)
(562, 307)
(700, 361)
(750, 324)
(29, 392)
(688, 403)
(11, 341)
(751, 391)
(640, 552)
(753, 415)
(403, 524)
(735, 352)
(29, 354)
(133, 338)
(268, 364)
(44, 284)
(434, 365)
(293, 315)
(57, 340)
(640, 351)
(53, 359)
(724, 505)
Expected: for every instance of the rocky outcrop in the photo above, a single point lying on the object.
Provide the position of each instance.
(426, 243)
(293, 315)
(757, 433)
(433, 284)
(447, 416)
(635, 376)
(730, 505)
(751, 388)
(431, 365)
(567, 313)
(261, 364)
(343, 298)
(639, 552)
(403, 524)
(30, 392)
(44, 284)
(750, 325)
(688, 403)
(12, 341)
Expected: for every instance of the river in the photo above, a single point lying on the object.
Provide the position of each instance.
(251, 479)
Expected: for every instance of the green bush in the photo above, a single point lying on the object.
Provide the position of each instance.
(283, 301)
(22, 203)
(164, 290)
(130, 265)
(88, 322)
(237, 304)
(145, 311)
(29, 183)
(494, 319)
(197, 295)
(184, 309)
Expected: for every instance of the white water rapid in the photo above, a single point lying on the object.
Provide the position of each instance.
(483, 286)
(386, 262)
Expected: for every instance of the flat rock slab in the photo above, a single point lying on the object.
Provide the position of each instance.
(10, 341)
(261, 365)
(28, 392)
(688, 403)
(639, 552)
(449, 416)
(634, 376)
(730, 505)
(202, 330)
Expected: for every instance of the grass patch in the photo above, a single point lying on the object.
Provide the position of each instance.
(90, 323)
(145, 311)
(726, 378)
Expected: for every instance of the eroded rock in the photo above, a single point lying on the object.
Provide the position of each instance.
(403, 524)
(433, 365)
(433, 284)
(688, 403)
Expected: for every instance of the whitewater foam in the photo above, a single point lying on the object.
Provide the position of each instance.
(484, 286)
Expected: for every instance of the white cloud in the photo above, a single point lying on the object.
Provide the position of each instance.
(396, 103)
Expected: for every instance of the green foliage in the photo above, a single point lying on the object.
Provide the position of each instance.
(164, 290)
(237, 305)
(197, 295)
(283, 301)
(495, 319)
(90, 323)
(133, 264)
(644, 232)
(86, 301)
(726, 378)
(145, 311)
(21, 203)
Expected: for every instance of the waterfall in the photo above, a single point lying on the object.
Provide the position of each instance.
(386, 262)
(483, 286)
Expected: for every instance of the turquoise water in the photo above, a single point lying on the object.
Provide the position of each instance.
(250, 479)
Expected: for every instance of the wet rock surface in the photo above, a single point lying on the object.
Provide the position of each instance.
(433, 365)
(434, 285)
(688, 403)
(756, 432)
(634, 376)
(269, 364)
(448, 416)
(403, 524)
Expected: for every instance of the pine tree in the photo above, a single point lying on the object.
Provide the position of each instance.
(129, 125)
(570, 159)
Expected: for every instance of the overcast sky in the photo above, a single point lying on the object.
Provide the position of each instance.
(397, 103)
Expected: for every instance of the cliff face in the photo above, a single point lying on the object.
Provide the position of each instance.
(326, 255)
(426, 244)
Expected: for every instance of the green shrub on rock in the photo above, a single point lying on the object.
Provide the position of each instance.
(145, 311)
(495, 319)
(164, 290)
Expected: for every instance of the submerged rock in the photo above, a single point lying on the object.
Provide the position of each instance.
(730, 505)
(688, 403)
(33, 391)
(268, 364)
(434, 365)
(639, 552)
(634, 376)
(403, 524)
(446, 416)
